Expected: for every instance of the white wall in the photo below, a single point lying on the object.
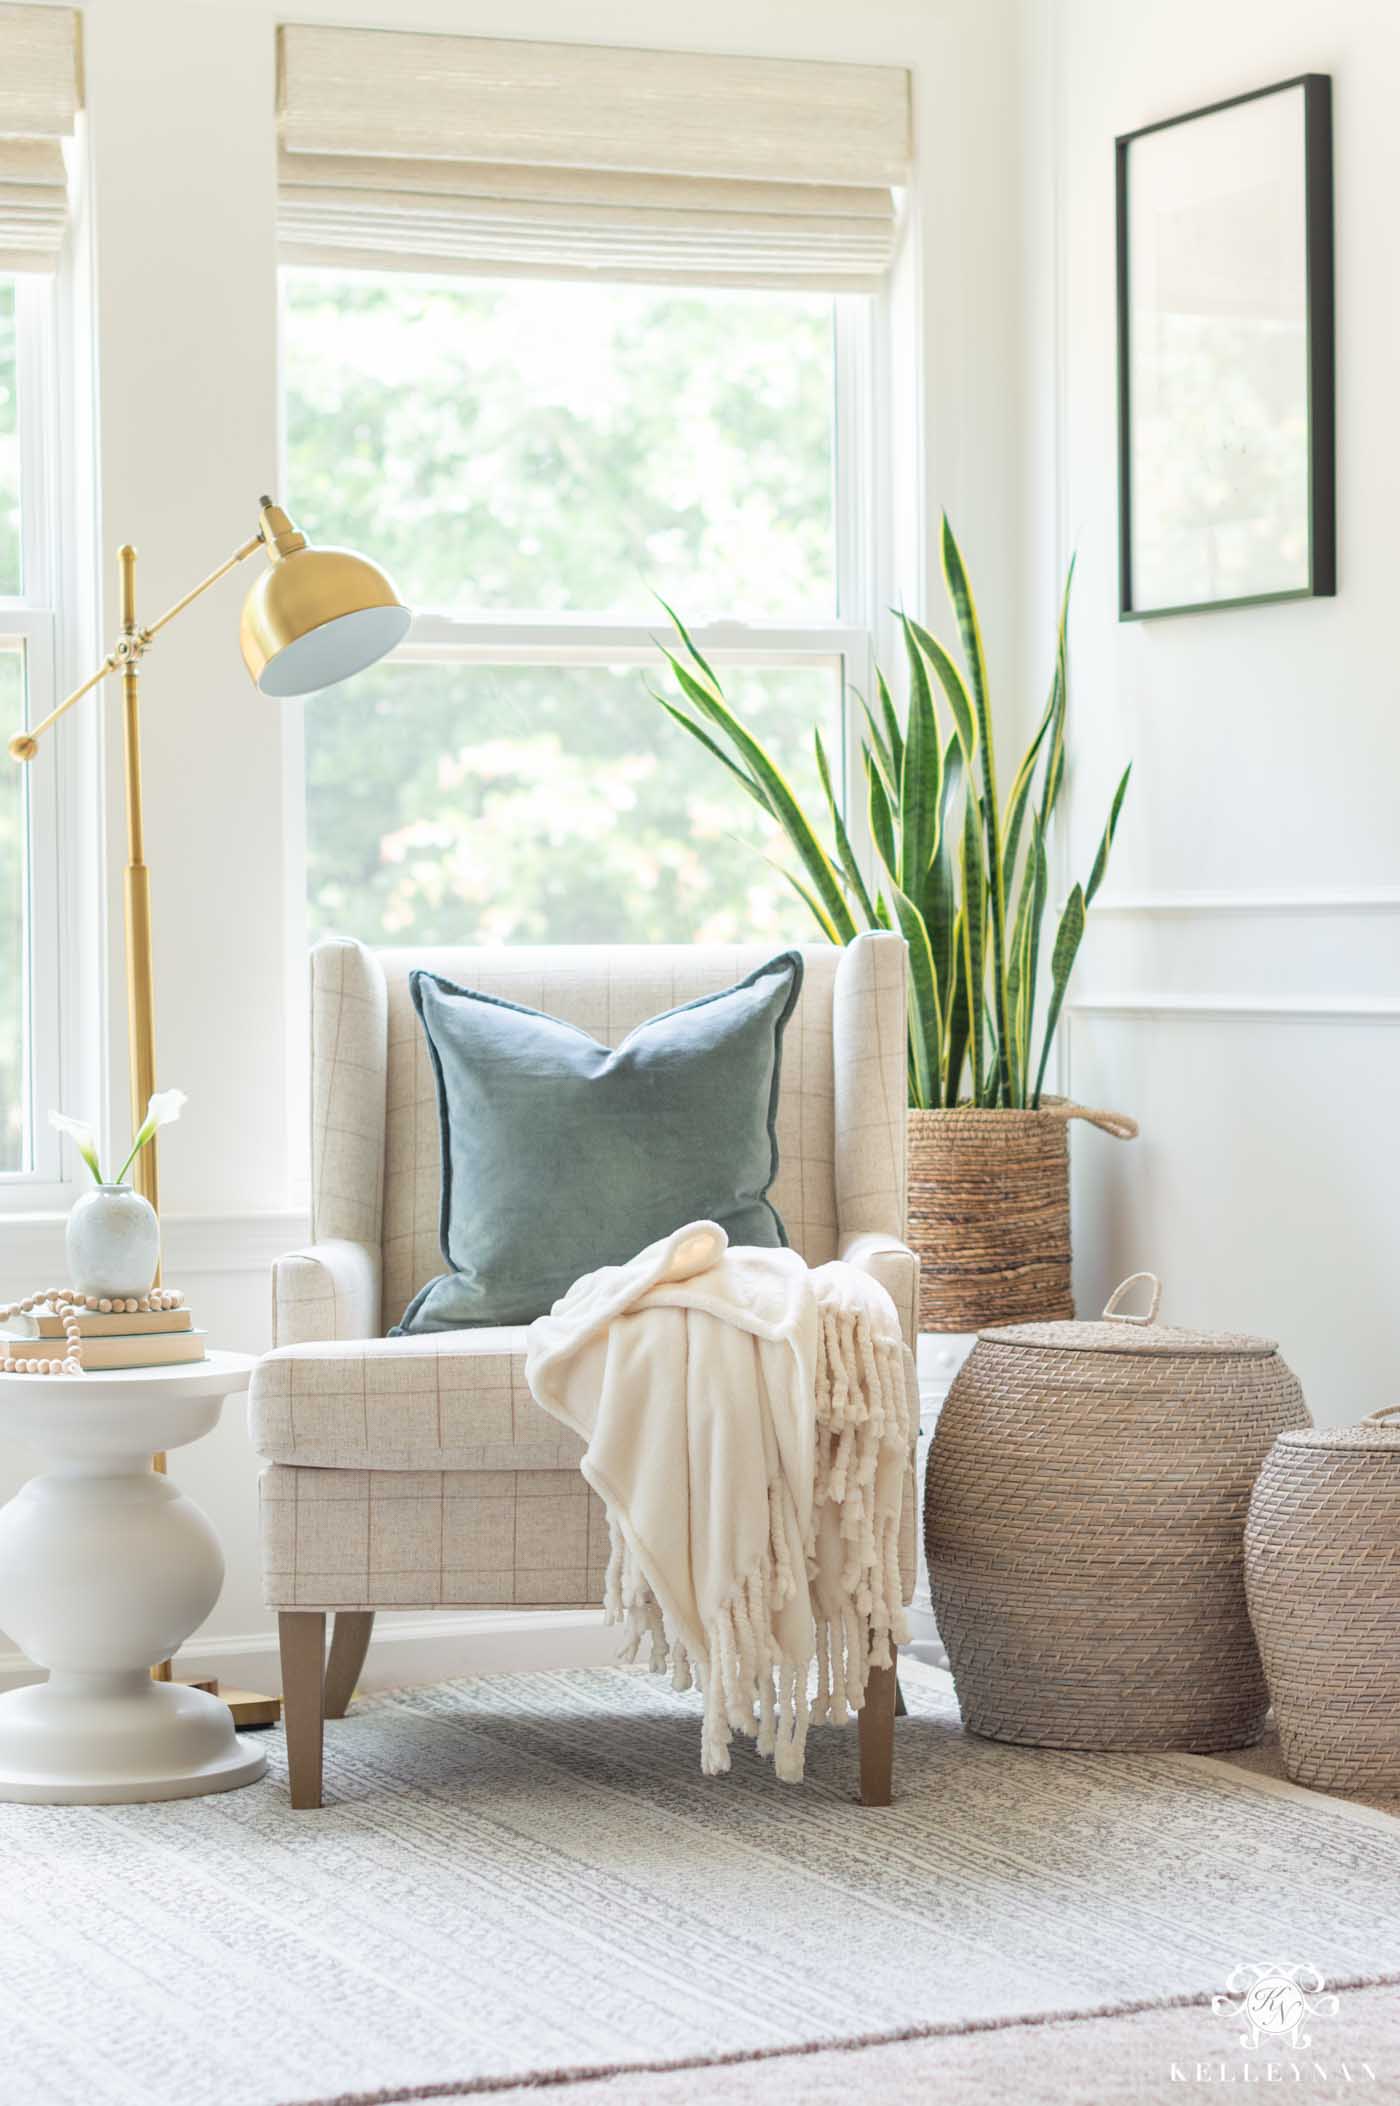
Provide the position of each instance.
(1240, 991)
(180, 98)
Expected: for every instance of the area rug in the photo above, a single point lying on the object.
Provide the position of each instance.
(1144, 2058)
(526, 1875)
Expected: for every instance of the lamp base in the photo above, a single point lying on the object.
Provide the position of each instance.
(249, 1709)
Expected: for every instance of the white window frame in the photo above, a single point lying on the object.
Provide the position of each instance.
(848, 641)
(29, 620)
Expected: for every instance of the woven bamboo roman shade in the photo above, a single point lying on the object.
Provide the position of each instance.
(38, 104)
(446, 153)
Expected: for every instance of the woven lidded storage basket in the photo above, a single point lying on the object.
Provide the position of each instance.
(1084, 1522)
(989, 1212)
(1322, 1568)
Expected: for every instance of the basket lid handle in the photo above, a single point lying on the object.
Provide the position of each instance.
(1117, 1123)
(1113, 1315)
(1387, 1411)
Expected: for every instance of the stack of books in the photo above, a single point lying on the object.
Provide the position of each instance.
(145, 1338)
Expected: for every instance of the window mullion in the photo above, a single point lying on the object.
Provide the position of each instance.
(856, 471)
(34, 348)
(590, 640)
(43, 1049)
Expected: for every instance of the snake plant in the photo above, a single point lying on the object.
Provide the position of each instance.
(962, 876)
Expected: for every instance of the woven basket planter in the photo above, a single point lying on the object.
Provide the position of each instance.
(1084, 1523)
(989, 1212)
(1322, 1566)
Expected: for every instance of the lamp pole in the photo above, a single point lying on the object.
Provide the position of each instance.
(140, 977)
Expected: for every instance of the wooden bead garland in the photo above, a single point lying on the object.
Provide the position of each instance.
(66, 1304)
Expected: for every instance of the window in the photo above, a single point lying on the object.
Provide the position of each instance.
(29, 978)
(534, 462)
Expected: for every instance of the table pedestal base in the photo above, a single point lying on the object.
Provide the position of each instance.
(105, 1568)
(112, 1739)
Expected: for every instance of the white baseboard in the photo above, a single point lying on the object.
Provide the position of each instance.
(412, 1649)
(924, 1641)
(407, 1649)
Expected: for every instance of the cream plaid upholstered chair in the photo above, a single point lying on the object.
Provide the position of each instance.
(419, 1472)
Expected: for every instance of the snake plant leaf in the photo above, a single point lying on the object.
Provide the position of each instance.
(1055, 755)
(844, 852)
(939, 901)
(952, 683)
(925, 1009)
(1068, 938)
(1096, 875)
(1020, 981)
(921, 777)
(970, 629)
(685, 636)
(881, 814)
(974, 916)
(958, 1025)
(809, 900)
(783, 805)
(709, 702)
(962, 878)
(879, 747)
(1038, 879)
(698, 732)
(894, 736)
(952, 783)
(1019, 799)
(938, 906)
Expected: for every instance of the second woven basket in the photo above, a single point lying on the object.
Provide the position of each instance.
(1322, 1566)
(1084, 1522)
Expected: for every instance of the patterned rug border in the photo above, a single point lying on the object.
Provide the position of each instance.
(561, 2079)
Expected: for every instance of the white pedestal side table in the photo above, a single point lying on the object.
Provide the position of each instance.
(105, 1569)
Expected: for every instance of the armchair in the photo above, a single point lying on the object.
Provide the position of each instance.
(419, 1472)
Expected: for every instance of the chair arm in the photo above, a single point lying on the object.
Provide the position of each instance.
(328, 1291)
(895, 1266)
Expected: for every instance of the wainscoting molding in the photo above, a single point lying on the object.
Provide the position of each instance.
(1294, 1009)
(1377, 899)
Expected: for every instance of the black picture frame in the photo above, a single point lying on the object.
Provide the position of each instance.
(1319, 296)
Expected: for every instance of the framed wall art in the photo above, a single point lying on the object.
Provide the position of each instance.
(1226, 421)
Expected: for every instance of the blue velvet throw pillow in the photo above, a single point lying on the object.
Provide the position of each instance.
(559, 1156)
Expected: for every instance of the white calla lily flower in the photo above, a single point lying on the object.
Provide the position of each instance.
(82, 1137)
(164, 1107)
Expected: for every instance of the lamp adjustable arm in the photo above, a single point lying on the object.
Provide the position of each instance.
(128, 650)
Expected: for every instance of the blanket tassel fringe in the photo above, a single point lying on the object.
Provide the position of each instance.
(851, 1559)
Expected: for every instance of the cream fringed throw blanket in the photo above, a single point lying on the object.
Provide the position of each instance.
(748, 1425)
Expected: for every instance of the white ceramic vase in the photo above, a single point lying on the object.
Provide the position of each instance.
(112, 1242)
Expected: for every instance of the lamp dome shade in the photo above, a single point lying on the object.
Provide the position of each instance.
(317, 616)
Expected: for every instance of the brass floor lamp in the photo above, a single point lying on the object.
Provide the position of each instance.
(313, 618)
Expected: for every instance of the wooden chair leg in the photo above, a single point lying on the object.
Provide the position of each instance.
(876, 1729)
(301, 1635)
(350, 1636)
